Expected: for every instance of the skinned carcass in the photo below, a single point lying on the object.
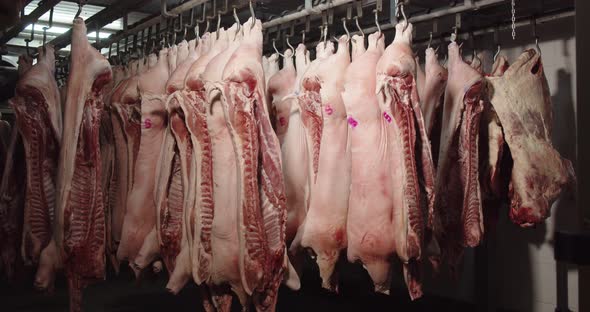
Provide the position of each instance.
(458, 214)
(80, 216)
(261, 194)
(522, 102)
(39, 120)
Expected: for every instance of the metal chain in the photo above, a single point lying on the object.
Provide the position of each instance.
(513, 19)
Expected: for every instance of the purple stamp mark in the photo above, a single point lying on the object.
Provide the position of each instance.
(387, 117)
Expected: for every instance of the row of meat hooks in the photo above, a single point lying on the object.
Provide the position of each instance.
(400, 12)
(175, 25)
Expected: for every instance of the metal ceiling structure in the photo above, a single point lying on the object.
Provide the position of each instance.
(120, 21)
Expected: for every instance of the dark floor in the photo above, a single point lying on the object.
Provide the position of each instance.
(124, 294)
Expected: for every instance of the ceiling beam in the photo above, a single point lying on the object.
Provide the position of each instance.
(26, 20)
(17, 50)
(150, 22)
(100, 19)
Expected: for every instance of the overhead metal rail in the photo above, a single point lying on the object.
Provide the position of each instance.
(184, 7)
(100, 19)
(26, 20)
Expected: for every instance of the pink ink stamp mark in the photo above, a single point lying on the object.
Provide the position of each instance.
(329, 109)
(387, 117)
(147, 123)
(352, 122)
(282, 121)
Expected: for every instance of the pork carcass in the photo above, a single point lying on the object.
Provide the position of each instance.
(522, 101)
(358, 48)
(39, 120)
(109, 179)
(282, 91)
(201, 179)
(261, 195)
(80, 217)
(370, 238)
(139, 237)
(309, 106)
(492, 144)
(420, 78)
(295, 156)
(324, 229)
(152, 60)
(172, 177)
(172, 56)
(182, 53)
(272, 67)
(293, 149)
(170, 197)
(432, 97)
(224, 272)
(126, 121)
(412, 168)
(12, 200)
(280, 85)
(25, 62)
(476, 63)
(201, 193)
(458, 207)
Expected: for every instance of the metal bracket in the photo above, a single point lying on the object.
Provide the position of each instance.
(393, 12)
(359, 9)
(456, 27)
(45, 28)
(164, 9)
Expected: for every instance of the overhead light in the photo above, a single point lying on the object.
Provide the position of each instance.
(101, 35)
(53, 29)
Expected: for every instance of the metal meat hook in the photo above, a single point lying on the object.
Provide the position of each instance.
(534, 24)
(237, 21)
(497, 42)
(45, 28)
(164, 9)
(377, 22)
(401, 8)
(28, 40)
(346, 29)
(275, 47)
(356, 20)
(287, 36)
(252, 14)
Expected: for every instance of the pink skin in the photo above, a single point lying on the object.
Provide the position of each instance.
(325, 226)
(434, 87)
(411, 160)
(370, 238)
(140, 217)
